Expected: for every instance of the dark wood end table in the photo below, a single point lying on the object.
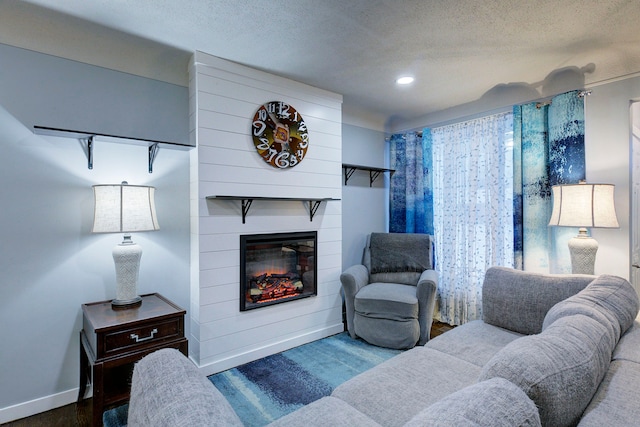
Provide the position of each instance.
(112, 340)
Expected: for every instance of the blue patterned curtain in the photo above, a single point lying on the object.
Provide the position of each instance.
(411, 192)
(548, 150)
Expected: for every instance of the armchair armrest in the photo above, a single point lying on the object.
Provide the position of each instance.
(352, 279)
(426, 293)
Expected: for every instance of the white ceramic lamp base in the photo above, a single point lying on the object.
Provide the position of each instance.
(583, 250)
(126, 257)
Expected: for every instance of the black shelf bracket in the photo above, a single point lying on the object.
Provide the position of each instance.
(153, 152)
(313, 208)
(90, 152)
(348, 171)
(247, 201)
(246, 205)
(374, 173)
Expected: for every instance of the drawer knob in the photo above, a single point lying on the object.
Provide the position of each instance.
(138, 339)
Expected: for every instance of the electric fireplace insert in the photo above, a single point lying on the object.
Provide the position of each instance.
(276, 268)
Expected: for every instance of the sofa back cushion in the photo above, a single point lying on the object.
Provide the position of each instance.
(519, 300)
(559, 369)
(495, 402)
(611, 300)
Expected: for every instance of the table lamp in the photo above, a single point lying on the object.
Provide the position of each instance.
(123, 208)
(583, 205)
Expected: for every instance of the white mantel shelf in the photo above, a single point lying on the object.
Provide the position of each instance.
(314, 203)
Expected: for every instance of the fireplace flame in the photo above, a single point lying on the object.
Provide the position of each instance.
(274, 286)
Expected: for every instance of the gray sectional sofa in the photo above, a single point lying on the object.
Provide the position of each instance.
(552, 350)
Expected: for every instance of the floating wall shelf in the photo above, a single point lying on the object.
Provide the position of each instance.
(374, 173)
(314, 204)
(153, 145)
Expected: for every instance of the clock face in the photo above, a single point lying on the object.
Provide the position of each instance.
(280, 135)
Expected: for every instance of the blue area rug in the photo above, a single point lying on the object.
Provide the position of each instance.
(116, 417)
(269, 388)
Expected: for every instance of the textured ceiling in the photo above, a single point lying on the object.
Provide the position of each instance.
(460, 51)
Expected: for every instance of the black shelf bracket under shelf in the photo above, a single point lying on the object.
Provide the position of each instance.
(247, 201)
(374, 173)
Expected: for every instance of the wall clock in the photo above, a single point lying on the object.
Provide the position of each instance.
(280, 134)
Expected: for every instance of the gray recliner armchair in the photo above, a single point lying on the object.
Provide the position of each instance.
(390, 297)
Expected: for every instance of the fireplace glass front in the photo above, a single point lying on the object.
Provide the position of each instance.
(277, 267)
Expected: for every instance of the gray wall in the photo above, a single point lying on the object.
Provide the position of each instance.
(49, 91)
(364, 209)
(50, 263)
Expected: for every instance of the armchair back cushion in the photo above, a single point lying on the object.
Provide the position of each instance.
(397, 257)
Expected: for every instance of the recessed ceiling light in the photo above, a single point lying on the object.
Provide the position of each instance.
(404, 80)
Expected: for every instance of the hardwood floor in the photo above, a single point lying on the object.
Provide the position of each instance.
(438, 328)
(80, 415)
(66, 416)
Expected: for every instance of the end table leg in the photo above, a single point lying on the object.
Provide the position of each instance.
(98, 394)
(84, 362)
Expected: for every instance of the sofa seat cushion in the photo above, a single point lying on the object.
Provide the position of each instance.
(615, 402)
(328, 411)
(628, 347)
(518, 300)
(391, 301)
(396, 390)
(559, 369)
(476, 341)
(495, 402)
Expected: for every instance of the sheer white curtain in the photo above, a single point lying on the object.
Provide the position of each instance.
(473, 210)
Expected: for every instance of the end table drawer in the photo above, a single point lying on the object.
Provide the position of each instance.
(143, 335)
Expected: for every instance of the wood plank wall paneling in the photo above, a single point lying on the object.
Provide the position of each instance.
(224, 97)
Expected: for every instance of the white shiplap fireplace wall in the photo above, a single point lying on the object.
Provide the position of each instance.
(223, 99)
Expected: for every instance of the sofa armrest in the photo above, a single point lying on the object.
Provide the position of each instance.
(352, 279)
(519, 300)
(168, 390)
(426, 293)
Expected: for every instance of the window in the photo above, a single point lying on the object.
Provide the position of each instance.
(472, 210)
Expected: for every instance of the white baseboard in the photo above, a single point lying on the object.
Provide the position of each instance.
(36, 406)
(255, 354)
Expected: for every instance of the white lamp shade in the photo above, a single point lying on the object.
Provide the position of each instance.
(584, 205)
(122, 208)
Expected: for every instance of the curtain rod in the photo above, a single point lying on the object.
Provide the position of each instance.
(581, 94)
(418, 134)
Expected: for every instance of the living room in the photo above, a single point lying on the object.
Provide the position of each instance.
(53, 263)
